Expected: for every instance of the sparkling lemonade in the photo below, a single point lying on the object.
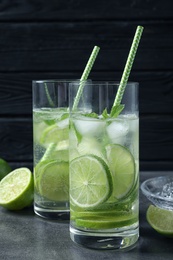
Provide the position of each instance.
(103, 174)
(51, 160)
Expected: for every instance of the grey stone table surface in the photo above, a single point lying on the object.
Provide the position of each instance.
(23, 235)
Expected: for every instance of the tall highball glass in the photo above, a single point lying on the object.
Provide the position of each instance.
(104, 166)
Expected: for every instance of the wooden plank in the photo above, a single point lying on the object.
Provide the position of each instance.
(156, 141)
(16, 139)
(157, 165)
(15, 165)
(81, 9)
(70, 35)
(155, 90)
(66, 46)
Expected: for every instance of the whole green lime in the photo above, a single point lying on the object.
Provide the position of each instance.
(4, 168)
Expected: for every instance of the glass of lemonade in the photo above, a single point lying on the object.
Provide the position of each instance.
(104, 167)
(51, 148)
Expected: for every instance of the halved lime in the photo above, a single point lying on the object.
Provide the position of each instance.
(90, 181)
(53, 134)
(16, 189)
(4, 168)
(122, 167)
(52, 180)
(161, 220)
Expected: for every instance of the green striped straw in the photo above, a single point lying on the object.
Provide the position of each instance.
(48, 151)
(128, 66)
(85, 75)
(51, 103)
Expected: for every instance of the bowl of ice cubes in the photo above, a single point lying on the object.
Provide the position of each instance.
(159, 191)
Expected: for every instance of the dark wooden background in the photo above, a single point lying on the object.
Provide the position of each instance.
(54, 38)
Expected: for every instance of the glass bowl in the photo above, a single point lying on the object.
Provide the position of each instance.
(159, 191)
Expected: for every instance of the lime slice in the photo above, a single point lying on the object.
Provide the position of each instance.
(16, 189)
(106, 223)
(53, 134)
(83, 213)
(52, 180)
(161, 220)
(4, 168)
(90, 181)
(122, 167)
(61, 152)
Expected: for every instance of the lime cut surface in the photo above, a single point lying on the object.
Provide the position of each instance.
(161, 220)
(122, 167)
(16, 189)
(90, 181)
(53, 180)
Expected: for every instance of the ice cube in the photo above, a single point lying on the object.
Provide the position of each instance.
(62, 145)
(91, 127)
(89, 145)
(63, 123)
(167, 190)
(117, 131)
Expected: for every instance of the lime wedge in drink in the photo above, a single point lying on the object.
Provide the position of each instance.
(90, 182)
(16, 189)
(122, 167)
(4, 168)
(53, 180)
(161, 220)
(53, 134)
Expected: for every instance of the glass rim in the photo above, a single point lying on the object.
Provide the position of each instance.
(57, 80)
(130, 84)
(93, 82)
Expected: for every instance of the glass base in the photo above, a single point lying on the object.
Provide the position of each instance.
(52, 213)
(108, 240)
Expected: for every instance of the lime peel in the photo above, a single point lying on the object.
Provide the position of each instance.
(4, 168)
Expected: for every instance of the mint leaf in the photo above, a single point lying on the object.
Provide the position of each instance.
(92, 115)
(64, 116)
(116, 110)
(50, 122)
(105, 114)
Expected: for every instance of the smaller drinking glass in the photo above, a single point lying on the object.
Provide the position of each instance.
(51, 148)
